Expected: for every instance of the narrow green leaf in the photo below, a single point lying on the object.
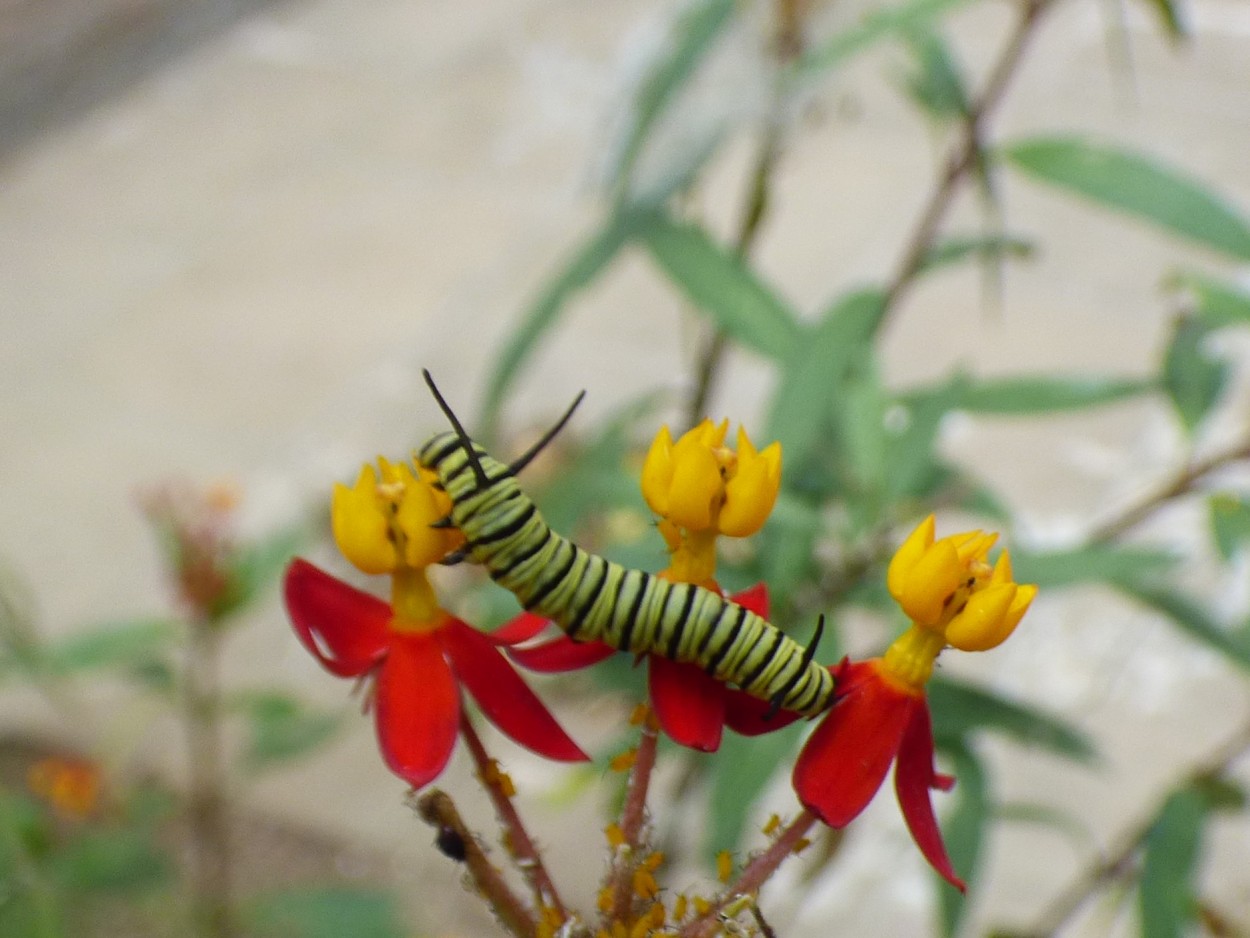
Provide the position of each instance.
(1216, 302)
(326, 913)
(281, 728)
(742, 768)
(112, 860)
(1230, 523)
(1137, 185)
(1056, 819)
(113, 644)
(787, 545)
(963, 833)
(1166, 891)
(694, 34)
(1032, 394)
(1189, 616)
(959, 709)
(816, 372)
(718, 282)
(586, 264)
(987, 247)
(936, 84)
(1091, 564)
(1169, 13)
(892, 22)
(1193, 378)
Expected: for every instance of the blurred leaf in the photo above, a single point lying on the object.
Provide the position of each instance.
(1170, 16)
(1216, 303)
(991, 247)
(742, 768)
(894, 22)
(1192, 376)
(816, 372)
(256, 567)
(964, 833)
(1092, 564)
(326, 913)
(914, 465)
(1189, 616)
(959, 709)
(862, 441)
(936, 85)
(1166, 890)
(1230, 523)
(694, 34)
(1137, 185)
(718, 282)
(787, 554)
(586, 264)
(1045, 394)
(281, 728)
(110, 860)
(1065, 822)
(114, 644)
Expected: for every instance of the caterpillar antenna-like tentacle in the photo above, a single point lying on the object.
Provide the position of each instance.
(528, 456)
(478, 472)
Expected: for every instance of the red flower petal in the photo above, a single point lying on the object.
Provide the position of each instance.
(561, 654)
(417, 708)
(346, 629)
(844, 762)
(754, 599)
(750, 716)
(519, 629)
(688, 702)
(503, 696)
(913, 777)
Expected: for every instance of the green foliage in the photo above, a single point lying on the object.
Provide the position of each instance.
(1138, 186)
(964, 833)
(960, 709)
(1193, 379)
(281, 728)
(1230, 523)
(326, 913)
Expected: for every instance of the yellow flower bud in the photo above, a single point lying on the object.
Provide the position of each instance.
(359, 519)
(751, 491)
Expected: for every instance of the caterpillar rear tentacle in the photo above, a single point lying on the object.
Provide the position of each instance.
(593, 599)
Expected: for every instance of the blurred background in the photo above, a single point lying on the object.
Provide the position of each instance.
(232, 233)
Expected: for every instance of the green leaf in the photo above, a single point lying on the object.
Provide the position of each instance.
(936, 85)
(963, 833)
(586, 264)
(1092, 564)
(1043, 394)
(1138, 186)
(1230, 523)
(326, 913)
(816, 372)
(1193, 378)
(1189, 616)
(1166, 890)
(1217, 303)
(256, 567)
(787, 545)
(987, 247)
(890, 23)
(742, 768)
(281, 728)
(718, 282)
(1170, 16)
(959, 709)
(694, 34)
(110, 860)
(114, 644)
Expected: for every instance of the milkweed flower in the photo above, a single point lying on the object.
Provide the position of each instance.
(954, 598)
(700, 489)
(418, 655)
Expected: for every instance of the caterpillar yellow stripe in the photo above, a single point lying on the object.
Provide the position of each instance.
(591, 598)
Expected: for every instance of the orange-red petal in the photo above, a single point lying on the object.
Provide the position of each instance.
(346, 629)
(844, 762)
(914, 776)
(561, 654)
(688, 702)
(519, 629)
(417, 708)
(750, 716)
(503, 696)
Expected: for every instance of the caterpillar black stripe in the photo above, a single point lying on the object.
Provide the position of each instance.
(594, 599)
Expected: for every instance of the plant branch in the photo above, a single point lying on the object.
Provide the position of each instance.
(517, 839)
(967, 152)
(633, 817)
(753, 875)
(1183, 483)
(1119, 860)
(438, 810)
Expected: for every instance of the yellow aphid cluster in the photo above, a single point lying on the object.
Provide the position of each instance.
(495, 777)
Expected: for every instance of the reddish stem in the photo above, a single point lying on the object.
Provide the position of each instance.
(633, 816)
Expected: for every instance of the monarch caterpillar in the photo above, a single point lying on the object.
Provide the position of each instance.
(593, 599)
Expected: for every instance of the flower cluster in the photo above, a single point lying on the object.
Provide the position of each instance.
(418, 655)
